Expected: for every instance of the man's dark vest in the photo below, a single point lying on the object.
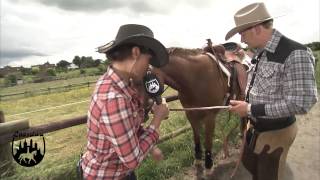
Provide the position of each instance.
(284, 49)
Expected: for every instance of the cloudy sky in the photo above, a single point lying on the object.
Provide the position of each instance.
(36, 31)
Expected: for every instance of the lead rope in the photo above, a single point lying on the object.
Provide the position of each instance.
(199, 108)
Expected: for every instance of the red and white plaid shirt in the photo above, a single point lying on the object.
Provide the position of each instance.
(117, 143)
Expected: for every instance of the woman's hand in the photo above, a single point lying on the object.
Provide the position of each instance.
(156, 154)
(160, 112)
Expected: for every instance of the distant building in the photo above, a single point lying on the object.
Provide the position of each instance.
(20, 80)
(45, 66)
(9, 70)
(73, 66)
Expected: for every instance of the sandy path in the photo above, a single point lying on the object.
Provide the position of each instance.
(303, 159)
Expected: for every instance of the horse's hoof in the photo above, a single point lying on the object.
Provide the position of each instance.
(197, 162)
(226, 155)
(208, 172)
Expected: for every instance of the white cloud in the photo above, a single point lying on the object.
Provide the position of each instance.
(55, 30)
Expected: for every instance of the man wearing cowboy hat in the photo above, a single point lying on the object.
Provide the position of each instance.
(281, 85)
(116, 141)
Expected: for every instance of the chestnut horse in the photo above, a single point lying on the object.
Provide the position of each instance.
(199, 82)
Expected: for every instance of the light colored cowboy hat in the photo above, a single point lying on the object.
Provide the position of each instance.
(142, 36)
(249, 16)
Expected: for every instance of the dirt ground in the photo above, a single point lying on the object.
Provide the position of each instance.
(303, 162)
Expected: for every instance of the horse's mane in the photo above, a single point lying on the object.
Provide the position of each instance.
(177, 51)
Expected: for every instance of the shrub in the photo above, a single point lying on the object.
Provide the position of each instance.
(11, 80)
(35, 70)
(82, 71)
(51, 72)
(102, 68)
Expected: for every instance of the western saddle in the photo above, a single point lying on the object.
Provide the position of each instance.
(234, 70)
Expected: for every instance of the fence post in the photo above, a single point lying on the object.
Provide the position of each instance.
(88, 84)
(6, 166)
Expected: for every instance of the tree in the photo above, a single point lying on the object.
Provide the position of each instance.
(25, 71)
(106, 62)
(314, 46)
(63, 64)
(77, 61)
(97, 62)
(87, 62)
(102, 68)
(82, 61)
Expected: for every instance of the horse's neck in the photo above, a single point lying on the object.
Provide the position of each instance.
(192, 70)
(176, 71)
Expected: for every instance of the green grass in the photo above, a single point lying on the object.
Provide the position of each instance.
(76, 73)
(13, 107)
(2, 81)
(28, 79)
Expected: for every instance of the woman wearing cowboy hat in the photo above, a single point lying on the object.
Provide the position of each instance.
(281, 85)
(116, 141)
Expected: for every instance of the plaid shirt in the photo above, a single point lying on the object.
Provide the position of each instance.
(283, 89)
(117, 143)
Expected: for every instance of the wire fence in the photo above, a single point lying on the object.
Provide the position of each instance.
(48, 90)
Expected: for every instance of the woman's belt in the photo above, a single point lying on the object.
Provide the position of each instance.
(261, 124)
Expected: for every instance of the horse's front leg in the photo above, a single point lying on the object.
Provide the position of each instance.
(196, 125)
(209, 132)
(197, 142)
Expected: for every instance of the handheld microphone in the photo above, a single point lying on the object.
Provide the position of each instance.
(153, 86)
(254, 61)
(256, 58)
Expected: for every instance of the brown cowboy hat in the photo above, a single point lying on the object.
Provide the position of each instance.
(249, 16)
(139, 35)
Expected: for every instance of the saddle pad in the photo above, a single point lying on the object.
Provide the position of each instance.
(222, 67)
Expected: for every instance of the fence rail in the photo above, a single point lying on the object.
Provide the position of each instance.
(46, 90)
(54, 126)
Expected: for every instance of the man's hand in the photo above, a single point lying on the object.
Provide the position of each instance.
(156, 154)
(239, 107)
